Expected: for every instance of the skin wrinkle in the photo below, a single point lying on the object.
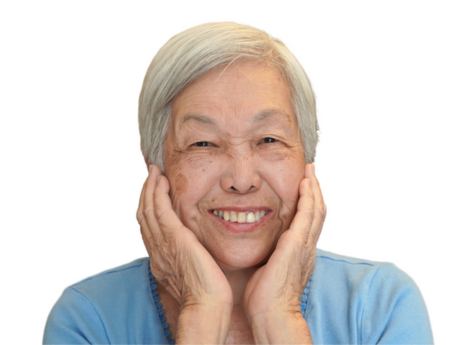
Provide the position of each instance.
(263, 174)
(236, 150)
(261, 115)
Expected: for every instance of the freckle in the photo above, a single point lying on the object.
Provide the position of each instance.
(180, 184)
(204, 170)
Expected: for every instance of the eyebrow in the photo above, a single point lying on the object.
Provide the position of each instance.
(197, 117)
(259, 116)
(263, 114)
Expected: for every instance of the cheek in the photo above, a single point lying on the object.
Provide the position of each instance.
(191, 178)
(284, 177)
(179, 184)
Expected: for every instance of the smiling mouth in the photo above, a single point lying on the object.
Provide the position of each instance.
(240, 217)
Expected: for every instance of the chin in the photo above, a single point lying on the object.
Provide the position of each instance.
(248, 255)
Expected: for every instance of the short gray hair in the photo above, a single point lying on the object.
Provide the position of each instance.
(195, 51)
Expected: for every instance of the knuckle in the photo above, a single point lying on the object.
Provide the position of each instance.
(147, 212)
(159, 215)
(154, 243)
(139, 216)
(324, 210)
(148, 243)
(321, 212)
(168, 237)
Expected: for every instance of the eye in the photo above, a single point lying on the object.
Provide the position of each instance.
(203, 143)
(268, 140)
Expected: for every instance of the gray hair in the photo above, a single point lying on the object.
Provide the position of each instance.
(195, 51)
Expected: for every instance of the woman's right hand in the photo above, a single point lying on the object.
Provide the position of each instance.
(178, 260)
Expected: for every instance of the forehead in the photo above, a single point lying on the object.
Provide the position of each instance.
(241, 91)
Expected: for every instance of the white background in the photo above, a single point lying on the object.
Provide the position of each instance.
(387, 80)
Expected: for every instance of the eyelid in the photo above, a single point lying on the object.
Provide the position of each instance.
(200, 142)
(274, 140)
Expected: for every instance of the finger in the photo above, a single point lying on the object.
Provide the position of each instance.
(149, 224)
(320, 209)
(304, 217)
(164, 213)
(141, 203)
(310, 174)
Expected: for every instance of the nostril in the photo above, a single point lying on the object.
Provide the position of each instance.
(236, 190)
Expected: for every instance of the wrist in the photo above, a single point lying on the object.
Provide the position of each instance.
(281, 328)
(203, 323)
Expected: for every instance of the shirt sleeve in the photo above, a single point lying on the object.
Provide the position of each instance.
(394, 311)
(74, 320)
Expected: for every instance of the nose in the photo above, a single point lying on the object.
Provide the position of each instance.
(241, 176)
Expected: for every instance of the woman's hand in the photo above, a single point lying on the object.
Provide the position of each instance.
(182, 265)
(272, 295)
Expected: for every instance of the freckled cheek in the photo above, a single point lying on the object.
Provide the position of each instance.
(191, 180)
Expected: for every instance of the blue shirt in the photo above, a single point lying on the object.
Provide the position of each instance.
(351, 301)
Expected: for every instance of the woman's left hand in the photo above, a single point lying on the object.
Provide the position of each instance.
(272, 295)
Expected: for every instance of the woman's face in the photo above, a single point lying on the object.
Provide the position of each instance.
(233, 146)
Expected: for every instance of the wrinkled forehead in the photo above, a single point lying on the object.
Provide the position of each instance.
(249, 92)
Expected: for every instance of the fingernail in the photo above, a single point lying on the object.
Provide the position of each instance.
(313, 168)
(158, 178)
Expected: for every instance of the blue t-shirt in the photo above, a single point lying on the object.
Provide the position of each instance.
(351, 301)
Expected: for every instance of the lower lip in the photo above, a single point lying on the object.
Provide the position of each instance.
(240, 228)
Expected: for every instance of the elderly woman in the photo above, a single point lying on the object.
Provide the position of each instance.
(230, 215)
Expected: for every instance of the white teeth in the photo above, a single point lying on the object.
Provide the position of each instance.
(240, 217)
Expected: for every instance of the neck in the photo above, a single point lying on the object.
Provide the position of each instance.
(239, 332)
(238, 279)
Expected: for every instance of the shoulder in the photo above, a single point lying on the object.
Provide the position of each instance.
(115, 281)
(359, 277)
(331, 258)
(330, 265)
(340, 278)
(114, 306)
(366, 300)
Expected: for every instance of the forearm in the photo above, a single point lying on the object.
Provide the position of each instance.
(281, 329)
(203, 324)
